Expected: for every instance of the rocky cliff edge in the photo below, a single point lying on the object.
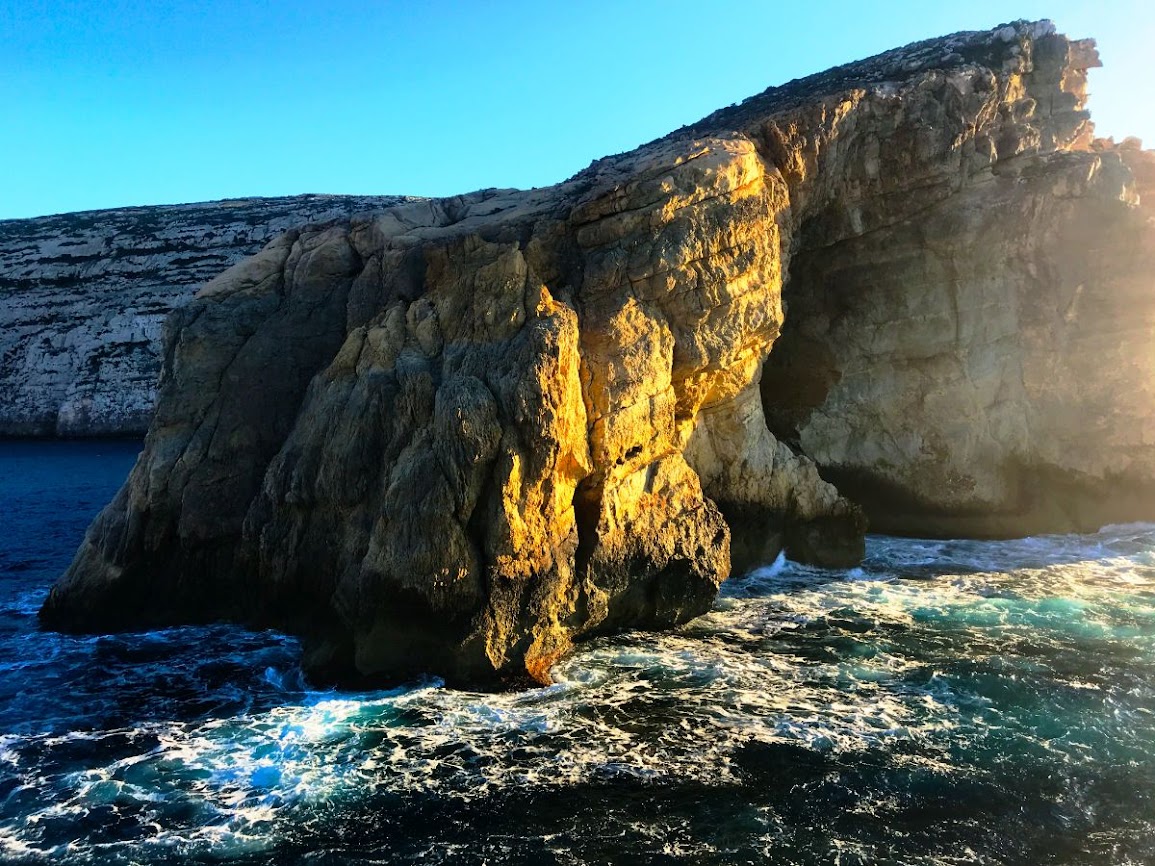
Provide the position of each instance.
(463, 434)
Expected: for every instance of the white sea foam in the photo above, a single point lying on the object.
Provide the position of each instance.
(931, 652)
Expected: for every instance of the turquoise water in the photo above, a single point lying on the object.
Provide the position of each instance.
(948, 702)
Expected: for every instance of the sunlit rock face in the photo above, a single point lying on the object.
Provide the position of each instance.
(458, 436)
(83, 297)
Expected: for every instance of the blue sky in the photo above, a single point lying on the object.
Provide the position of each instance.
(120, 102)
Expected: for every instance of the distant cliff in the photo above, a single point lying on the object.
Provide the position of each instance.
(83, 296)
(460, 435)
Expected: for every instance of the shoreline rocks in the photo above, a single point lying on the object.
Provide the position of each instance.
(460, 435)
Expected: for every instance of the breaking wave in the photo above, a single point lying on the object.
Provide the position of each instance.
(946, 702)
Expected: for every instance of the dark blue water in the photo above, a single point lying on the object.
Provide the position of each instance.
(947, 703)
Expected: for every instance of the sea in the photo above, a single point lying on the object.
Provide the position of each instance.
(947, 702)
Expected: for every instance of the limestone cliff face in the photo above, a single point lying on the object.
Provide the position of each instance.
(461, 435)
(982, 361)
(83, 297)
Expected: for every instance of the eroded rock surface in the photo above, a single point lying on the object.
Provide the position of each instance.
(979, 360)
(460, 435)
(83, 297)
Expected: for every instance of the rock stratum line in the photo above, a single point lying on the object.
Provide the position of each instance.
(460, 435)
(83, 297)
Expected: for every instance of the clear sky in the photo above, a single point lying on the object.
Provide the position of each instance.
(120, 102)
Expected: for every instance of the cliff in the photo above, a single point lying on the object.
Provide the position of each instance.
(463, 434)
(83, 297)
(986, 368)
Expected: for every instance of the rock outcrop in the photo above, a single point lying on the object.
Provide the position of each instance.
(83, 297)
(982, 362)
(460, 435)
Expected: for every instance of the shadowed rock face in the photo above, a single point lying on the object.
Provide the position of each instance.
(458, 436)
(983, 364)
(83, 297)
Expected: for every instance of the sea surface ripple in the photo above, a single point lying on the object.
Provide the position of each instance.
(948, 702)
